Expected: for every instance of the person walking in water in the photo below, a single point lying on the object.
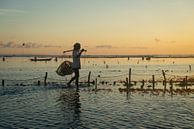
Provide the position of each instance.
(76, 65)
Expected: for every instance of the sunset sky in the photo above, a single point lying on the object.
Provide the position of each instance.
(101, 26)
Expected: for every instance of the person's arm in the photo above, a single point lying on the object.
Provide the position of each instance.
(67, 51)
(82, 50)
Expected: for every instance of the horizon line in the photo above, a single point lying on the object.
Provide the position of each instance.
(104, 56)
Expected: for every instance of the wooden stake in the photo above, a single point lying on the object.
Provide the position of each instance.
(96, 85)
(163, 73)
(45, 78)
(143, 83)
(127, 84)
(3, 82)
(129, 76)
(186, 82)
(89, 78)
(38, 82)
(153, 81)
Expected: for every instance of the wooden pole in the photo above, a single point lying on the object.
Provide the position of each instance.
(153, 81)
(45, 78)
(186, 82)
(96, 85)
(38, 82)
(143, 83)
(3, 82)
(129, 77)
(89, 78)
(163, 73)
(171, 82)
(127, 84)
(189, 67)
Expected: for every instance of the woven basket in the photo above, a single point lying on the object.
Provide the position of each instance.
(65, 68)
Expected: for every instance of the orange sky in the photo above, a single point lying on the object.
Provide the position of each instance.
(102, 27)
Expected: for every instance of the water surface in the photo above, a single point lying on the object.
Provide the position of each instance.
(55, 106)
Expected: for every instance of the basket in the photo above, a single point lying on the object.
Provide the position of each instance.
(65, 68)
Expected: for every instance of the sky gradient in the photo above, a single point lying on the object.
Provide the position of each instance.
(101, 26)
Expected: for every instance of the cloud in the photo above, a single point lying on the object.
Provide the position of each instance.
(12, 44)
(31, 45)
(173, 42)
(139, 48)
(9, 44)
(51, 46)
(104, 46)
(11, 11)
(157, 40)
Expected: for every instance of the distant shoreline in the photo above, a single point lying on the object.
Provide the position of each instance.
(105, 56)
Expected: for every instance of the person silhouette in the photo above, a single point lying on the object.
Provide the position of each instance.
(76, 65)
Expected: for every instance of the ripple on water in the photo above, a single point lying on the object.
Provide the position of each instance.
(42, 107)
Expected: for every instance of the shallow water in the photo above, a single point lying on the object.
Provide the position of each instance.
(46, 107)
(55, 106)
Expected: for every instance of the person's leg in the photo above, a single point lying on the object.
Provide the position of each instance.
(72, 79)
(77, 77)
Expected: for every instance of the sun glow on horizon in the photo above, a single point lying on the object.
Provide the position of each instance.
(102, 27)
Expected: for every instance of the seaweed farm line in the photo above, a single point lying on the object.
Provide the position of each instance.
(157, 73)
(113, 93)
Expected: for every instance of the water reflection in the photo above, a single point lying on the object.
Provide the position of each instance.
(69, 101)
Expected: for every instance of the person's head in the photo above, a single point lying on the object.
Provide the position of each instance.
(76, 46)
